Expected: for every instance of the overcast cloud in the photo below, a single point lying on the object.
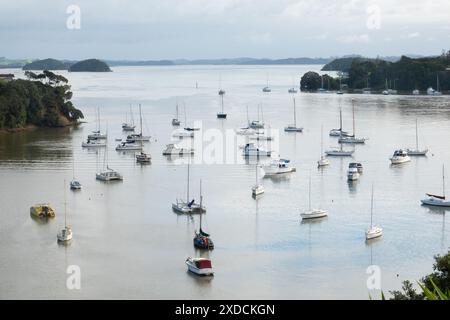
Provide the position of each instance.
(170, 29)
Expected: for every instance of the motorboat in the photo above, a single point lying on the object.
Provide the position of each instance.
(143, 157)
(312, 213)
(352, 174)
(200, 266)
(75, 185)
(250, 149)
(43, 210)
(221, 114)
(174, 149)
(356, 165)
(293, 127)
(437, 200)
(373, 231)
(417, 151)
(276, 167)
(400, 156)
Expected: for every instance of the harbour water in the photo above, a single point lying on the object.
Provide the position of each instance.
(130, 245)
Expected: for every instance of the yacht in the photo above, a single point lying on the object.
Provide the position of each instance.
(65, 235)
(175, 121)
(322, 161)
(417, 151)
(276, 167)
(128, 146)
(108, 175)
(437, 200)
(221, 114)
(339, 152)
(137, 137)
(432, 92)
(173, 149)
(188, 206)
(129, 126)
(373, 231)
(142, 157)
(400, 156)
(96, 135)
(293, 127)
(261, 136)
(256, 124)
(313, 213)
(74, 184)
(245, 131)
(356, 165)
(339, 132)
(292, 90)
(202, 240)
(199, 266)
(416, 92)
(267, 88)
(257, 189)
(93, 143)
(183, 134)
(251, 150)
(352, 138)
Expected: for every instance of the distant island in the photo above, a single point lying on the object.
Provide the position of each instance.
(47, 64)
(90, 65)
(376, 75)
(43, 100)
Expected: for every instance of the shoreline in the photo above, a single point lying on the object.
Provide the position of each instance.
(32, 127)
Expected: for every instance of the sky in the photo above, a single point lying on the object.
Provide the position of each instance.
(197, 29)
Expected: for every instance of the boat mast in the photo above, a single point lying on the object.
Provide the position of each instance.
(256, 182)
(221, 96)
(248, 119)
(417, 137)
(340, 117)
(321, 142)
(353, 111)
(309, 193)
(201, 201)
(65, 205)
(185, 121)
(295, 115)
(371, 208)
(443, 181)
(187, 191)
(140, 122)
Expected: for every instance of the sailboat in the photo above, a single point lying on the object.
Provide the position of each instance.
(175, 121)
(257, 124)
(431, 91)
(352, 138)
(257, 189)
(437, 200)
(221, 114)
(74, 184)
(321, 89)
(65, 234)
(202, 240)
(417, 152)
(293, 127)
(267, 88)
(129, 126)
(322, 161)
(386, 90)
(107, 174)
(313, 213)
(339, 132)
(340, 87)
(97, 135)
(185, 133)
(373, 231)
(188, 206)
(138, 136)
(292, 89)
(142, 157)
(221, 91)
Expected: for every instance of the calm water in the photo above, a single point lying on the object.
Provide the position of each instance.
(129, 244)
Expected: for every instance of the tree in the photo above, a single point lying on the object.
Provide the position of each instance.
(311, 81)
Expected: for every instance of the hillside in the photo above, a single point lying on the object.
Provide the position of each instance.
(47, 64)
(90, 65)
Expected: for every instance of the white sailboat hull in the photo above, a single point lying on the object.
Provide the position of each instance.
(399, 160)
(352, 140)
(339, 153)
(435, 202)
(374, 232)
(314, 214)
(257, 190)
(201, 272)
(412, 152)
(293, 129)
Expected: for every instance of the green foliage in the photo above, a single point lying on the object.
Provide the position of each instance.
(46, 64)
(405, 75)
(435, 286)
(43, 100)
(310, 81)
